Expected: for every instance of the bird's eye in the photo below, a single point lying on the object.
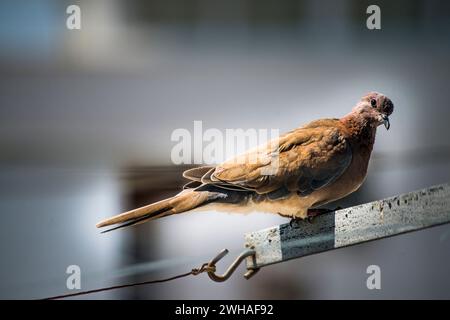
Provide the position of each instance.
(373, 103)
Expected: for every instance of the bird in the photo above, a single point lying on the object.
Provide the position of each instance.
(292, 176)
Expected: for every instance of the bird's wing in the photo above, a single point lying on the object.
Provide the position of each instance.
(303, 160)
(196, 174)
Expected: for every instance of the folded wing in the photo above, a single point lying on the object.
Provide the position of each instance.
(303, 160)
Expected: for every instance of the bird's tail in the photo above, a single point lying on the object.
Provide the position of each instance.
(184, 201)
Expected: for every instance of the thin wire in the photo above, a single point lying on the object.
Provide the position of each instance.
(194, 272)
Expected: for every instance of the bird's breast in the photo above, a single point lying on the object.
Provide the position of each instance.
(347, 183)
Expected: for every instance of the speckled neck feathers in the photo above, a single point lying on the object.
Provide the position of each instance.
(361, 131)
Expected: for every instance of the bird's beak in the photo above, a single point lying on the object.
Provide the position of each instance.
(386, 122)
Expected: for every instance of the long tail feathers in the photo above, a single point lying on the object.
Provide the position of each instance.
(182, 202)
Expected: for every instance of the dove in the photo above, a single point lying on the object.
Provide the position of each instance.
(318, 163)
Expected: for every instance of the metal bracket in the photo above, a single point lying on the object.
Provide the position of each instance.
(220, 278)
(371, 221)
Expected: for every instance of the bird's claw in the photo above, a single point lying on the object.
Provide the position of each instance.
(294, 222)
(311, 215)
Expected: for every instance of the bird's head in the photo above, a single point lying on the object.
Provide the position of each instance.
(375, 108)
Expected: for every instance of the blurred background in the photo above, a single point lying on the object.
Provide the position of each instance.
(86, 118)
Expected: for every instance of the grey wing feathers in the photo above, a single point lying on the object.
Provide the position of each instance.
(309, 159)
(196, 174)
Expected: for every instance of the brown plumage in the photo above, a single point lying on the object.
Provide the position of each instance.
(318, 163)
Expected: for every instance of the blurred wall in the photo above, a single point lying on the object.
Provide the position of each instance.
(86, 118)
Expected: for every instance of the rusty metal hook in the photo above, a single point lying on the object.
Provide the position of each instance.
(220, 278)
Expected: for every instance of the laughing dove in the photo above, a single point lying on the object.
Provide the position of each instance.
(310, 166)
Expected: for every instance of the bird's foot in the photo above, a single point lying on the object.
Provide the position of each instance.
(294, 222)
(312, 213)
